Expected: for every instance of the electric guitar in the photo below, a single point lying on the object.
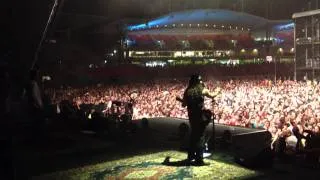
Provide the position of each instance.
(207, 115)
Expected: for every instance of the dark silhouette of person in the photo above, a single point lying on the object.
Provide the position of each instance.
(35, 105)
(194, 100)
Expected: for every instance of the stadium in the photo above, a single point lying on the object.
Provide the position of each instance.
(208, 35)
(161, 90)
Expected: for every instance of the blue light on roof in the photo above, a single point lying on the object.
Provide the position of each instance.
(202, 16)
(285, 26)
(137, 27)
(153, 23)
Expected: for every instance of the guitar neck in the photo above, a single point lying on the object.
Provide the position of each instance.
(179, 99)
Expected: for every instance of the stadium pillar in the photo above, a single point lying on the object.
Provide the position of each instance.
(275, 69)
(295, 52)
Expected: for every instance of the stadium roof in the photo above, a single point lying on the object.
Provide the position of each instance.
(306, 13)
(204, 16)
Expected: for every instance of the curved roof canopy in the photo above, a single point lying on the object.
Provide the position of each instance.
(204, 16)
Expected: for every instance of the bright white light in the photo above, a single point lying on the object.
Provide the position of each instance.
(269, 58)
(140, 52)
(280, 50)
(115, 51)
(177, 54)
(292, 50)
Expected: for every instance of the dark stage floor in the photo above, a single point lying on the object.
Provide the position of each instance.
(136, 155)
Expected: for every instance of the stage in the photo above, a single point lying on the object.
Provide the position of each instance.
(140, 155)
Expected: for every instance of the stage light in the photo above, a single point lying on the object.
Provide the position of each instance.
(280, 50)
(292, 50)
(255, 52)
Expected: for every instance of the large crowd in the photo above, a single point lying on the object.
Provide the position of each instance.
(255, 103)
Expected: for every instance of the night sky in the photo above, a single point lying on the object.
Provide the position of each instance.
(280, 9)
(24, 21)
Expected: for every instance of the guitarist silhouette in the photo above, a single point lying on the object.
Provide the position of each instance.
(199, 118)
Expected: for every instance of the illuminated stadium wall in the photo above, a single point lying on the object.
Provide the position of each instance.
(208, 35)
(307, 44)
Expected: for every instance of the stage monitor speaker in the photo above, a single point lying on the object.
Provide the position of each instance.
(253, 149)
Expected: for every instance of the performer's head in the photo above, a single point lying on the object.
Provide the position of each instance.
(195, 80)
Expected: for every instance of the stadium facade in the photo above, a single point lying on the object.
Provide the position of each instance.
(209, 35)
(307, 44)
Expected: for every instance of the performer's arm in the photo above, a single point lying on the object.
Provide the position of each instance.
(209, 94)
